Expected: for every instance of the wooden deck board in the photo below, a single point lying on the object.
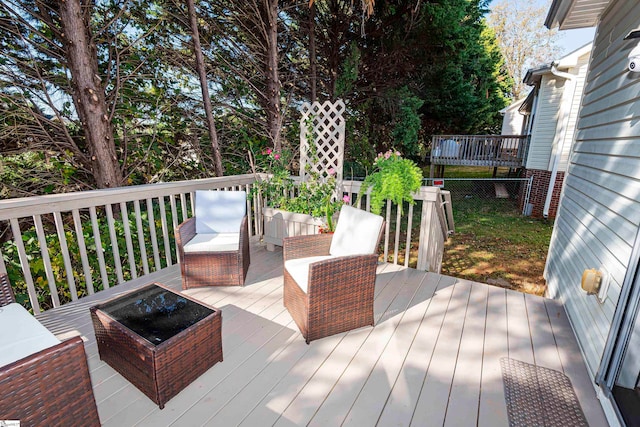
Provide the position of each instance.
(361, 365)
(432, 359)
(544, 344)
(519, 334)
(375, 393)
(492, 411)
(573, 364)
(465, 390)
(432, 404)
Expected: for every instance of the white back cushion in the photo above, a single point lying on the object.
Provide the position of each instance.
(356, 233)
(220, 211)
(21, 334)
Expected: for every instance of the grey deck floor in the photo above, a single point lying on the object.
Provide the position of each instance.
(432, 359)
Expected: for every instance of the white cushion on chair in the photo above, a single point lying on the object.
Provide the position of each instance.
(299, 269)
(213, 242)
(356, 233)
(21, 334)
(220, 211)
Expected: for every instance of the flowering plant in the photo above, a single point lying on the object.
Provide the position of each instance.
(315, 196)
(395, 178)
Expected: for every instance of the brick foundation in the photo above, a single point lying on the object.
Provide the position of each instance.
(539, 192)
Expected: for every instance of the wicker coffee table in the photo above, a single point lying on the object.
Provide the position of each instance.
(158, 339)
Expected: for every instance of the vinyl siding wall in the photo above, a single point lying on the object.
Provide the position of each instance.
(513, 120)
(545, 122)
(599, 212)
(580, 71)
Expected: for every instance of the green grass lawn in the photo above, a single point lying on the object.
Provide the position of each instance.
(494, 244)
(469, 172)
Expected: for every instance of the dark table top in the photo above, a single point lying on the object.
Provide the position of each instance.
(155, 313)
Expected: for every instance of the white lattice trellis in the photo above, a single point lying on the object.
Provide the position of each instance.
(324, 126)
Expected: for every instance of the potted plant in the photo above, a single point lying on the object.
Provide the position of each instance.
(395, 178)
(290, 209)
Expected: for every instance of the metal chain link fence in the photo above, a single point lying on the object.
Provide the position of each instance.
(487, 194)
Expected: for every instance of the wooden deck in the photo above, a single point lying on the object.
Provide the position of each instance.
(432, 359)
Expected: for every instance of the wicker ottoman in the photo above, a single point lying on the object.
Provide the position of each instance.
(158, 339)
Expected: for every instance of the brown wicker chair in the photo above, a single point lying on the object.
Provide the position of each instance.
(49, 388)
(6, 292)
(213, 246)
(329, 286)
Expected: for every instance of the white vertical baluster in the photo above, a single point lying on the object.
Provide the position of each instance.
(165, 230)
(257, 208)
(154, 237)
(65, 255)
(124, 215)
(247, 189)
(409, 229)
(397, 239)
(174, 220)
(24, 262)
(386, 231)
(114, 243)
(46, 260)
(99, 249)
(77, 223)
(183, 204)
(141, 242)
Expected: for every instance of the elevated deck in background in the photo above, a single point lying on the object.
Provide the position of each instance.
(479, 150)
(432, 359)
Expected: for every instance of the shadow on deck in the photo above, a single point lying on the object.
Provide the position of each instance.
(432, 359)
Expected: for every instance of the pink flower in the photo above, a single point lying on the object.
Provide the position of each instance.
(269, 150)
(398, 153)
(387, 154)
(346, 198)
(277, 156)
(331, 171)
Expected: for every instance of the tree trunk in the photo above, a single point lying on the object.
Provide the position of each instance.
(206, 99)
(88, 95)
(274, 119)
(312, 52)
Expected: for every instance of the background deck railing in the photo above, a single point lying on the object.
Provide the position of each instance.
(59, 248)
(480, 150)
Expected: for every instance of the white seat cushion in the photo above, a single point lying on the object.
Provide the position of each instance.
(299, 269)
(21, 334)
(220, 211)
(356, 233)
(213, 242)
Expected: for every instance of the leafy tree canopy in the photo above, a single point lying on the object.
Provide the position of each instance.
(406, 69)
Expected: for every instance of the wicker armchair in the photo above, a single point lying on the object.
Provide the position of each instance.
(48, 388)
(329, 279)
(6, 292)
(213, 246)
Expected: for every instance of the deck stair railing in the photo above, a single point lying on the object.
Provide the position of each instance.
(480, 150)
(62, 247)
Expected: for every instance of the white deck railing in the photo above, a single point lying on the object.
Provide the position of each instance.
(65, 246)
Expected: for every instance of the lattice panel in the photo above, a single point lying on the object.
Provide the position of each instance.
(328, 133)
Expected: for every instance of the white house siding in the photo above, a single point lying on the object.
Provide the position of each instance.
(580, 71)
(545, 122)
(599, 212)
(512, 121)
